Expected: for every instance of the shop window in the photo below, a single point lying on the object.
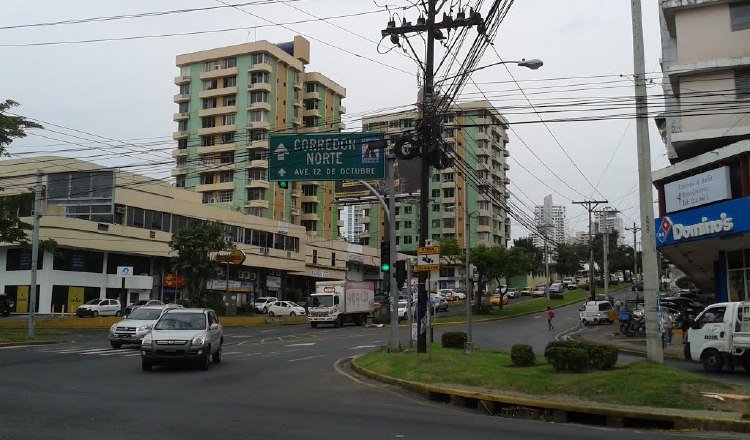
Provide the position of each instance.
(75, 260)
(20, 259)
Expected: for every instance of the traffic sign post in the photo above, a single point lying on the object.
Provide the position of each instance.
(124, 272)
(326, 156)
(428, 258)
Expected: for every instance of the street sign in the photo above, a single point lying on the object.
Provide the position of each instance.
(428, 258)
(326, 156)
(235, 257)
(124, 271)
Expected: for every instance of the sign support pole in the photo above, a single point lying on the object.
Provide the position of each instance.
(394, 345)
(35, 251)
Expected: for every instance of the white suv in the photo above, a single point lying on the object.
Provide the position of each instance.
(97, 307)
(262, 303)
(183, 336)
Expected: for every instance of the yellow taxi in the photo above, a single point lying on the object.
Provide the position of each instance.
(495, 299)
(526, 291)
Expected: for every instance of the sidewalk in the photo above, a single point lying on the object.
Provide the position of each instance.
(604, 334)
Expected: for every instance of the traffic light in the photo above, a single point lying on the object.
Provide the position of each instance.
(400, 273)
(385, 256)
(283, 184)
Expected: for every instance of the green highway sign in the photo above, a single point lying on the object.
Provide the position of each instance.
(326, 156)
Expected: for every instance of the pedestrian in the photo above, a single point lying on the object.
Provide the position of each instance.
(616, 320)
(666, 323)
(550, 315)
(685, 326)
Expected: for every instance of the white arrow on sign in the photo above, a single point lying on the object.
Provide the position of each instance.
(281, 152)
(282, 173)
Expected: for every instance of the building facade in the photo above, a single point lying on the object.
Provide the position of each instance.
(550, 218)
(102, 218)
(230, 100)
(704, 195)
(353, 225)
(605, 221)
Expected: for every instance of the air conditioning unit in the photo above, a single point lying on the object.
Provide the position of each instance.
(120, 209)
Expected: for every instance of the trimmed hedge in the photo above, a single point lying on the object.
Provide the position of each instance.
(573, 360)
(522, 355)
(601, 356)
(453, 340)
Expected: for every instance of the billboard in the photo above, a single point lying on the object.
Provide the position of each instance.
(406, 181)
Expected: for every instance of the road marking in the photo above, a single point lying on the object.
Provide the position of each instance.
(362, 346)
(231, 352)
(94, 351)
(306, 358)
(266, 331)
(131, 355)
(301, 344)
(241, 336)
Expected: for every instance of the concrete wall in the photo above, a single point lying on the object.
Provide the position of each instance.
(705, 33)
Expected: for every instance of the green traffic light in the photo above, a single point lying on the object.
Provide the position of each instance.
(283, 184)
(385, 267)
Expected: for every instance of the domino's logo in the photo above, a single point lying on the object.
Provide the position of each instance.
(664, 228)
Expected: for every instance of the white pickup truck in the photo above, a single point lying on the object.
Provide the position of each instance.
(720, 337)
(338, 302)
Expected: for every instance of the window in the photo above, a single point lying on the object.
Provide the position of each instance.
(185, 89)
(208, 198)
(80, 185)
(258, 97)
(182, 144)
(256, 211)
(394, 124)
(227, 138)
(260, 58)
(742, 83)
(228, 119)
(211, 65)
(208, 122)
(448, 192)
(179, 182)
(258, 135)
(207, 159)
(256, 174)
(258, 116)
(333, 259)
(397, 210)
(449, 223)
(310, 121)
(225, 196)
(230, 81)
(182, 126)
(309, 208)
(185, 71)
(310, 225)
(449, 132)
(311, 104)
(407, 225)
(256, 194)
(209, 103)
(436, 192)
(181, 162)
(311, 87)
(183, 107)
(315, 256)
(230, 101)
(207, 179)
(230, 62)
(397, 225)
(740, 16)
(209, 84)
(448, 119)
(408, 239)
(258, 77)
(407, 123)
(78, 261)
(483, 205)
(449, 177)
(227, 157)
(435, 207)
(226, 176)
(207, 141)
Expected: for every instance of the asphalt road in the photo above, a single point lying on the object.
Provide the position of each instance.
(275, 382)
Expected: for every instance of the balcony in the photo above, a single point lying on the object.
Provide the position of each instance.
(311, 112)
(258, 163)
(217, 129)
(484, 213)
(215, 187)
(217, 111)
(218, 148)
(181, 98)
(365, 220)
(297, 104)
(484, 228)
(217, 92)
(481, 167)
(506, 167)
(311, 95)
(482, 198)
(261, 67)
(481, 137)
(309, 199)
(482, 121)
(180, 135)
(448, 200)
(257, 183)
(218, 72)
(180, 116)
(482, 152)
(180, 80)
(179, 171)
(342, 109)
(449, 214)
(506, 181)
(215, 167)
(179, 152)
(297, 85)
(296, 194)
(258, 145)
(256, 204)
(294, 211)
(364, 234)
(296, 121)
(259, 106)
(310, 216)
(451, 184)
(258, 125)
(258, 87)
(451, 230)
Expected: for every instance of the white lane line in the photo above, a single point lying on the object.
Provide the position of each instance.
(131, 355)
(302, 344)
(94, 351)
(241, 336)
(306, 358)
(362, 346)
(266, 331)
(114, 353)
(231, 352)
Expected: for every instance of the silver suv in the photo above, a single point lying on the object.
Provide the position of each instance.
(138, 324)
(183, 336)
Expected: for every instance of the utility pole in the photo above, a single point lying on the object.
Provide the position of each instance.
(469, 347)
(35, 251)
(654, 350)
(409, 303)
(394, 345)
(605, 236)
(590, 206)
(428, 135)
(635, 230)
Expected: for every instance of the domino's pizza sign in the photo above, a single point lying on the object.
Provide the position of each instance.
(711, 221)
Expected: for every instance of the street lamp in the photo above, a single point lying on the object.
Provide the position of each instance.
(532, 64)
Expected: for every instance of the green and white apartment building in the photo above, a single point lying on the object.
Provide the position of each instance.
(230, 100)
(477, 133)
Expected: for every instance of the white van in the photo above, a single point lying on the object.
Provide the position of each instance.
(595, 312)
(720, 337)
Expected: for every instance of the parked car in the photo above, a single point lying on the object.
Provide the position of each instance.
(445, 293)
(595, 312)
(603, 297)
(495, 299)
(557, 288)
(144, 302)
(438, 304)
(262, 303)
(183, 335)
(459, 295)
(6, 304)
(700, 296)
(583, 283)
(138, 324)
(539, 291)
(526, 291)
(403, 305)
(285, 308)
(97, 307)
(512, 293)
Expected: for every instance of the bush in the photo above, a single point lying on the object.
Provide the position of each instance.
(573, 360)
(522, 355)
(601, 356)
(453, 339)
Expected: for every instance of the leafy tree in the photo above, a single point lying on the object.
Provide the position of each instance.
(195, 246)
(451, 252)
(569, 257)
(536, 254)
(12, 127)
(482, 258)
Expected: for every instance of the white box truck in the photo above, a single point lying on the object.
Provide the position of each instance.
(339, 302)
(719, 337)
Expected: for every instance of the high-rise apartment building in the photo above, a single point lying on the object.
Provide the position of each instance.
(353, 225)
(230, 100)
(550, 219)
(608, 222)
(705, 194)
(477, 133)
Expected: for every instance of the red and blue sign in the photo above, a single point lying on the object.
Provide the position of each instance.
(717, 220)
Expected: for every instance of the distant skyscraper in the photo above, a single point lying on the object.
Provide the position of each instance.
(551, 218)
(608, 221)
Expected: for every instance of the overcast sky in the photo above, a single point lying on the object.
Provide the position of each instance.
(123, 90)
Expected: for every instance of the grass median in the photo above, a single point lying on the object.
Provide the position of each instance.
(13, 337)
(105, 322)
(636, 384)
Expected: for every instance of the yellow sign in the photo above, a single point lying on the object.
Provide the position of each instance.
(235, 257)
(22, 299)
(428, 250)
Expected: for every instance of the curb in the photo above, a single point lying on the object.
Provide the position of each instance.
(560, 412)
(628, 350)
